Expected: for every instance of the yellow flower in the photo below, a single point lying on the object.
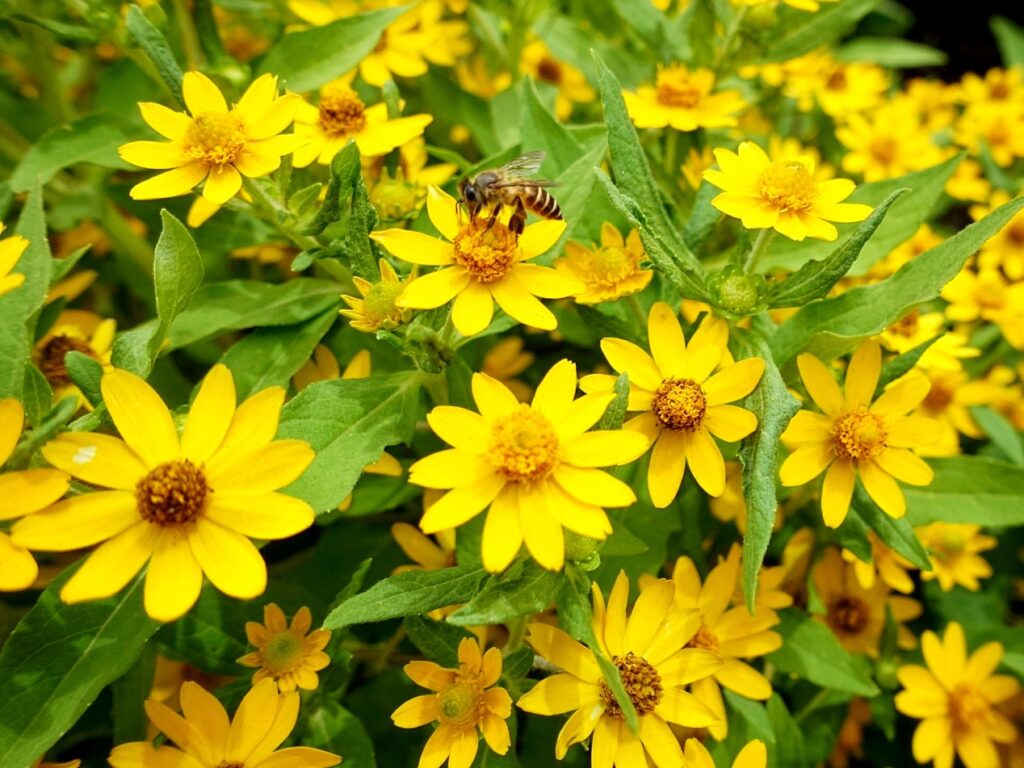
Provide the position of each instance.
(538, 62)
(783, 195)
(1005, 249)
(69, 764)
(533, 466)
(11, 249)
(480, 263)
(506, 360)
(24, 492)
(730, 634)
(207, 739)
(79, 331)
(850, 88)
(476, 76)
(771, 593)
(886, 144)
(402, 196)
(290, 656)
(755, 753)
(948, 402)
(857, 436)
(955, 698)
(914, 329)
(377, 306)
(997, 86)
(428, 554)
(953, 549)
(885, 564)
(787, 149)
(988, 295)
(697, 161)
(649, 648)
(968, 182)
(851, 734)
(341, 116)
(463, 700)
(187, 506)
(267, 253)
(213, 143)
(932, 102)
(924, 239)
(999, 128)
(611, 270)
(684, 405)
(801, 5)
(683, 99)
(856, 614)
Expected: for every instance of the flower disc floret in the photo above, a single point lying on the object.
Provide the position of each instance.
(848, 615)
(680, 404)
(487, 252)
(50, 358)
(172, 494)
(342, 112)
(216, 138)
(789, 186)
(524, 445)
(859, 435)
(641, 681)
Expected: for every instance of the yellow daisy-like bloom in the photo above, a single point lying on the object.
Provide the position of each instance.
(206, 738)
(955, 697)
(532, 466)
(212, 142)
(855, 436)
(79, 331)
(849, 87)
(377, 308)
(1005, 249)
(11, 249)
(886, 565)
(730, 634)
(988, 295)
(341, 116)
(649, 648)
(968, 182)
(428, 553)
(753, 755)
(187, 506)
(953, 549)
(684, 405)
(684, 99)
(997, 127)
(610, 270)
(784, 196)
(886, 144)
(782, 149)
(506, 360)
(289, 655)
(402, 195)
(463, 700)
(480, 264)
(477, 76)
(856, 614)
(914, 329)
(538, 62)
(697, 161)
(948, 402)
(24, 492)
(997, 86)
(810, 6)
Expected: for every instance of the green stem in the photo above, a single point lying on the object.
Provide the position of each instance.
(812, 705)
(764, 237)
(516, 634)
(638, 312)
(274, 213)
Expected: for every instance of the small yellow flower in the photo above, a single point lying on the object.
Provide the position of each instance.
(207, 739)
(267, 253)
(988, 295)
(186, 506)
(886, 144)
(948, 402)
(955, 697)
(783, 195)
(685, 405)
(476, 76)
(534, 467)
(11, 249)
(402, 196)
(610, 270)
(753, 755)
(848, 88)
(290, 656)
(506, 360)
(997, 86)
(377, 306)
(783, 149)
(480, 264)
(801, 5)
(697, 161)
(79, 331)
(968, 182)
(1005, 249)
(858, 435)
(213, 143)
(886, 565)
(914, 329)
(850, 742)
(683, 99)
(954, 552)
(1000, 128)
(649, 646)
(538, 62)
(463, 700)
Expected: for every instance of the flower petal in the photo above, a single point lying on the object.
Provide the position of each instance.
(415, 247)
(174, 578)
(434, 289)
(820, 384)
(77, 522)
(730, 422)
(665, 335)
(626, 357)
(112, 565)
(259, 515)
(734, 381)
(210, 415)
(862, 375)
(96, 459)
(141, 417)
(30, 490)
(201, 94)
(503, 535)
(836, 492)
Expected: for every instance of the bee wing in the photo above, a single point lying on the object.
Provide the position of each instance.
(525, 183)
(523, 166)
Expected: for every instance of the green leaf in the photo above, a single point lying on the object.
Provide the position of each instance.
(902, 364)
(333, 728)
(348, 422)
(345, 169)
(540, 130)
(615, 413)
(614, 681)
(85, 373)
(867, 310)
(897, 533)
(408, 594)
(1010, 39)
(969, 489)
(803, 32)
(37, 396)
(1000, 432)
(774, 407)
(703, 217)
(307, 59)
(810, 651)
(437, 640)
(891, 52)
(517, 664)
(816, 278)
(523, 590)
(789, 739)
(130, 691)
(152, 41)
(58, 659)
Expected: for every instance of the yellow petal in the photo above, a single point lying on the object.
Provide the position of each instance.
(210, 415)
(222, 184)
(253, 426)
(862, 375)
(157, 155)
(734, 381)
(519, 304)
(12, 420)
(30, 490)
(820, 384)
(554, 395)
(729, 422)
(459, 427)
(382, 138)
(264, 470)
(260, 515)
(201, 95)
(626, 357)
(18, 569)
(805, 463)
(668, 347)
(179, 181)
(905, 466)
(882, 488)
(473, 309)
(112, 565)
(461, 504)
(254, 717)
(836, 493)
(564, 652)
(540, 237)
(492, 398)
(434, 289)
(592, 486)
(706, 462)
(174, 578)
(668, 464)
(141, 417)
(77, 522)
(546, 282)
(166, 122)
(541, 532)
(450, 469)
(903, 395)
(503, 535)
(604, 448)
(414, 247)
(441, 207)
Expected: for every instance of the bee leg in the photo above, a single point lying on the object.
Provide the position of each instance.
(494, 216)
(518, 221)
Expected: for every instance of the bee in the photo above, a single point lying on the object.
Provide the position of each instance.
(510, 186)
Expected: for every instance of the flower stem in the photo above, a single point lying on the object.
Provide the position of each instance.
(764, 237)
(274, 213)
(638, 312)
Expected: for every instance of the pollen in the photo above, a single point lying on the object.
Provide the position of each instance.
(680, 404)
(487, 252)
(858, 436)
(172, 494)
(848, 615)
(676, 88)
(524, 445)
(217, 138)
(462, 704)
(642, 683)
(51, 358)
(608, 266)
(342, 112)
(788, 186)
(704, 639)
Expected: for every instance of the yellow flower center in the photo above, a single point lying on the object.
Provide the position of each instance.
(789, 186)
(461, 705)
(609, 266)
(172, 494)
(848, 615)
(967, 707)
(395, 198)
(342, 112)
(704, 639)
(950, 544)
(524, 445)
(549, 70)
(907, 326)
(837, 81)
(676, 89)
(230, 764)
(642, 683)
(884, 149)
(939, 396)
(1015, 231)
(283, 652)
(217, 138)
(488, 253)
(680, 404)
(50, 358)
(858, 435)
(379, 304)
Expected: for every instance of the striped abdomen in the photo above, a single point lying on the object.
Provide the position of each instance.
(541, 202)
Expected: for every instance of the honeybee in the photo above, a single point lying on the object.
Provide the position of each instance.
(510, 186)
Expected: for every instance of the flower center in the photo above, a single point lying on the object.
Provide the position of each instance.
(680, 404)
(642, 683)
(230, 764)
(51, 358)
(848, 615)
(488, 253)
(524, 445)
(1015, 231)
(939, 396)
(967, 707)
(461, 705)
(217, 138)
(676, 89)
(789, 186)
(704, 639)
(282, 652)
(549, 70)
(379, 304)
(837, 81)
(907, 326)
(172, 494)
(395, 198)
(858, 435)
(949, 545)
(609, 266)
(342, 112)
(884, 149)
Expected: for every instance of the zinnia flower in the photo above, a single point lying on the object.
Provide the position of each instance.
(533, 466)
(289, 655)
(609, 270)
(683, 99)
(187, 506)
(11, 249)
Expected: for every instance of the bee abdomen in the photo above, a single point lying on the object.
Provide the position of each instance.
(543, 203)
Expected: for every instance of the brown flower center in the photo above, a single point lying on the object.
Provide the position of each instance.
(680, 404)
(524, 445)
(172, 494)
(488, 253)
(217, 138)
(939, 396)
(789, 186)
(704, 639)
(230, 764)
(51, 358)
(907, 325)
(549, 70)
(858, 435)
(461, 705)
(884, 149)
(967, 707)
(675, 88)
(641, 681)
(342, 112)
(848, 615)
